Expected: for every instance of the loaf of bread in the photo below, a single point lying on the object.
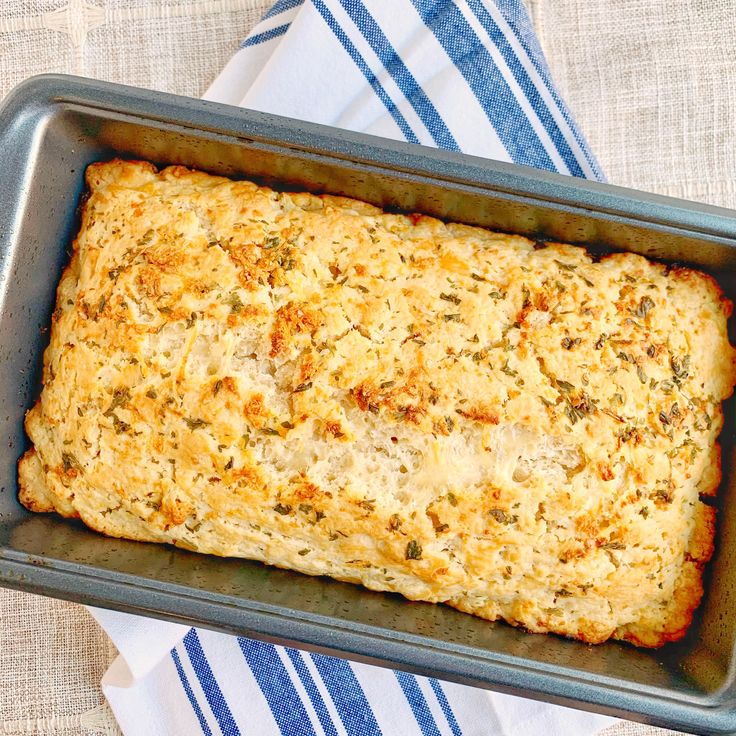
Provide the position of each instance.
(513, 428)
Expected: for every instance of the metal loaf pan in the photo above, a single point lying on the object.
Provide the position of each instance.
(51, 127)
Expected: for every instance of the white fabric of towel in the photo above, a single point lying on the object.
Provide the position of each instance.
(170, 680)
(466, 75)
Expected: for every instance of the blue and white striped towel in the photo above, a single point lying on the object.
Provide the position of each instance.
(466, 75)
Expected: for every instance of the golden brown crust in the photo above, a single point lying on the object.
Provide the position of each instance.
(424, 408)
(32, 484)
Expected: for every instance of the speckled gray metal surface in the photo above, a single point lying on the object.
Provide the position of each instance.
(52, 127)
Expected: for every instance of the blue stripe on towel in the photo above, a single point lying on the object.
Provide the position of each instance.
(521, 25)
(446, 707)
(501, 42)
(400, 73)
(359, 61)
(265, 36)
(211, 689)
(190, 694)
(418, 704)
(310, 686)
(281, 6)
(492, 91)
(352, 706)
(278, 688)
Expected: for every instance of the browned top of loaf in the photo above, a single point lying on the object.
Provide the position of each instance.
(421, 407)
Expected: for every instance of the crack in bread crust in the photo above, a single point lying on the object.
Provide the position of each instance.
(460, 416)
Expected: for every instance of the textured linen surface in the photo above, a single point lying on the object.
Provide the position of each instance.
(652, 84)
(652, 89)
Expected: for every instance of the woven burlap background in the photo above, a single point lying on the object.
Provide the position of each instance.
(651, 82)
